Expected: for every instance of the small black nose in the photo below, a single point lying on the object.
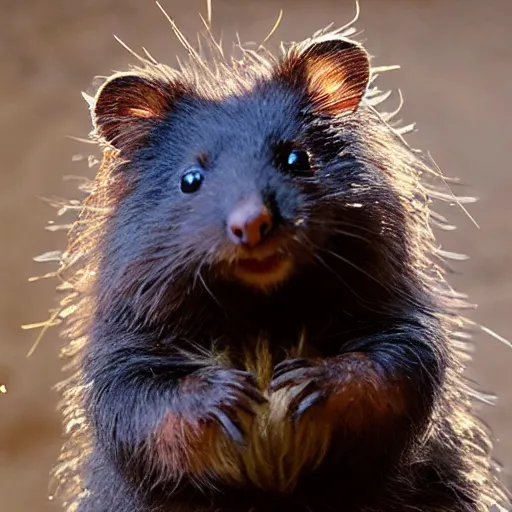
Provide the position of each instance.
(249, 222)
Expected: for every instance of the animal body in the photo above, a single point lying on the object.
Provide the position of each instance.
(257, 310)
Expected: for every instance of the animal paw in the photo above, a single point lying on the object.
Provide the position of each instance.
(308, 383)
(222, 395)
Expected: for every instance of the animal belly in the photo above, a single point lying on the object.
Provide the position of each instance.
(278, 450)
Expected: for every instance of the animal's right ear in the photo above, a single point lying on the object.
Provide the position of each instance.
(333, 71)
(128, 105)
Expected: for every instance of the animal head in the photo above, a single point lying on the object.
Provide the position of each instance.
(252, 173)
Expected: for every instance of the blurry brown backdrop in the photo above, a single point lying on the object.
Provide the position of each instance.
(456, 77)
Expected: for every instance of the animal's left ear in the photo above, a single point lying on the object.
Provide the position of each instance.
(334, 72)
(128, 105)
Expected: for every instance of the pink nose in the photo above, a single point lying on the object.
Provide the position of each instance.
(249, 222)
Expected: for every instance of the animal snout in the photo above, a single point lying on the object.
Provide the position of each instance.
(250, 222)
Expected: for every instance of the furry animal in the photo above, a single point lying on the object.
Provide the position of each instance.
(256, 306)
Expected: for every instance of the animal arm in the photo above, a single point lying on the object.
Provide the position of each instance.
(377, 389)
(392, 374)
(165, 417)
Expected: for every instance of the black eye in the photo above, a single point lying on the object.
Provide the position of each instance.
(295, 161)
(191, 181)
(298, 160)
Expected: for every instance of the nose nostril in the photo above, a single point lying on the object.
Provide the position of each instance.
(249, 222)
(238, 232)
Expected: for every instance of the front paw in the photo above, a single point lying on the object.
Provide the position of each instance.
(223, 396)
(308, 383)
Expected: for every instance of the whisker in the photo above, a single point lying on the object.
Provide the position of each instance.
(343, 232)
(401, 292)
(208, 289)
(344, 223)
(315, 251)
(324, 264)
(458, 200)
(353, 265)
(204, 260)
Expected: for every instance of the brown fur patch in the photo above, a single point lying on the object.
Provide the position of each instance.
(362, 395)
(198, 449)
(277, 451)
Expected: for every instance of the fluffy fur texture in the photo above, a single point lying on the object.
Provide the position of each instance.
(337, 386)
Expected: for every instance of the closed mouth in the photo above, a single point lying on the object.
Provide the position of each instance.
(260, 266)
(263, 271)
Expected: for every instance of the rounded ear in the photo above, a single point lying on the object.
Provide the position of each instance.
(334, 71)
(128, 105)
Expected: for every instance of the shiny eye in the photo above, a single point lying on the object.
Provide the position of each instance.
(192, 180)
(294, 161)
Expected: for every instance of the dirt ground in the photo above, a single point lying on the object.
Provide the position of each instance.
(456, 58)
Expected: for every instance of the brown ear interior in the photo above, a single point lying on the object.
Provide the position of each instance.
(127, 106)
(335, 73)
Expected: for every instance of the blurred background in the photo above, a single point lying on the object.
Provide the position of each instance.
(456, 58)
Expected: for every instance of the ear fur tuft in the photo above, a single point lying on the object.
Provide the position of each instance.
(128, 105)
(334, 71)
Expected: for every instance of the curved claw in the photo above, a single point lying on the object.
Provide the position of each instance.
(232, 401)
(254, 395)
(306, 403)
(229, 393)
(244, 383)
(286, 378)
(303, 397)
(245, 375)
(298, 391)
(250, 392)
(305, 381)
(230, 425)
(291, 364)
